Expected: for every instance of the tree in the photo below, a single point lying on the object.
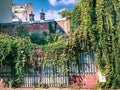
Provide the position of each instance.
(65, 13)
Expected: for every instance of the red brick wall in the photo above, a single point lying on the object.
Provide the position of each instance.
(36, 27)
(88, 81)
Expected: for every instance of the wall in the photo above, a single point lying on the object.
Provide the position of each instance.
(86, 81)
(5, 11)
(87, 76)
(39, 27)
(65, 25)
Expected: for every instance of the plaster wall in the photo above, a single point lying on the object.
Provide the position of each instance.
(5, 11)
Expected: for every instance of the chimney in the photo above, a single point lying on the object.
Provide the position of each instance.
(31, 17)
(42, 15)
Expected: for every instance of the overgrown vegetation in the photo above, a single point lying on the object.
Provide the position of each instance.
(66, 13)
(16, 53)
(99, 30)
(22, 50)
(94, 27)
(36, 38)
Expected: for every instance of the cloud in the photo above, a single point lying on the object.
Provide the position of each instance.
(53, 14)
(53, 2)
(61, 2)
(37, 16)
(50, 14)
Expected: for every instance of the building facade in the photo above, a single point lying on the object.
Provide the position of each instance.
(5, 11)
(21, 12)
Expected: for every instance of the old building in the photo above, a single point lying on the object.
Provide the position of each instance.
(21, 12)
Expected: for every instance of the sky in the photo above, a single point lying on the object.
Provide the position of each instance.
(50, 7)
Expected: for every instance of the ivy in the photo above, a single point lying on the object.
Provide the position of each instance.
(98, 30)
(52, 27)
(95, 27)
(19, 53)
(16, 53)
(108, 42)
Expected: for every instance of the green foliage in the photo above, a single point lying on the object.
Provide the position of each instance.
(16, 53)
(108, 43)
(98, 30)
(36, 38)
(75, 17)
(65, 13)
(22, 32)
(95, 27)
(54, 46)
(52, 27)
(55, 52)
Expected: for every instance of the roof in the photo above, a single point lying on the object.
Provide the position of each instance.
(29, 22)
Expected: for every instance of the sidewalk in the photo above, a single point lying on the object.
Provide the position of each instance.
(42, 89)
(51, 89)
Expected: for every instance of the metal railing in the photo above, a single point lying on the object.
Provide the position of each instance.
(52, 76)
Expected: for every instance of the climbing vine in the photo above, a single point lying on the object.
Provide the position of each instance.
(19, 53)
(16, 53)
(99, 31)
(108, 46)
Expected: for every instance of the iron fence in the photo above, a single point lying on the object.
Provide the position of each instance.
(52, 76)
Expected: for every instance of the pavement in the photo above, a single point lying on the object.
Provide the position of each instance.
(42, 89)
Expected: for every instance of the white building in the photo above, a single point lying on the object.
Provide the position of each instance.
(5, 11)
(21, 12)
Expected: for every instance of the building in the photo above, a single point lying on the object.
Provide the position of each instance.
(21, 12)
(5, 11)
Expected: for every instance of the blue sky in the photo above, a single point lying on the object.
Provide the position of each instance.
(50, 7)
